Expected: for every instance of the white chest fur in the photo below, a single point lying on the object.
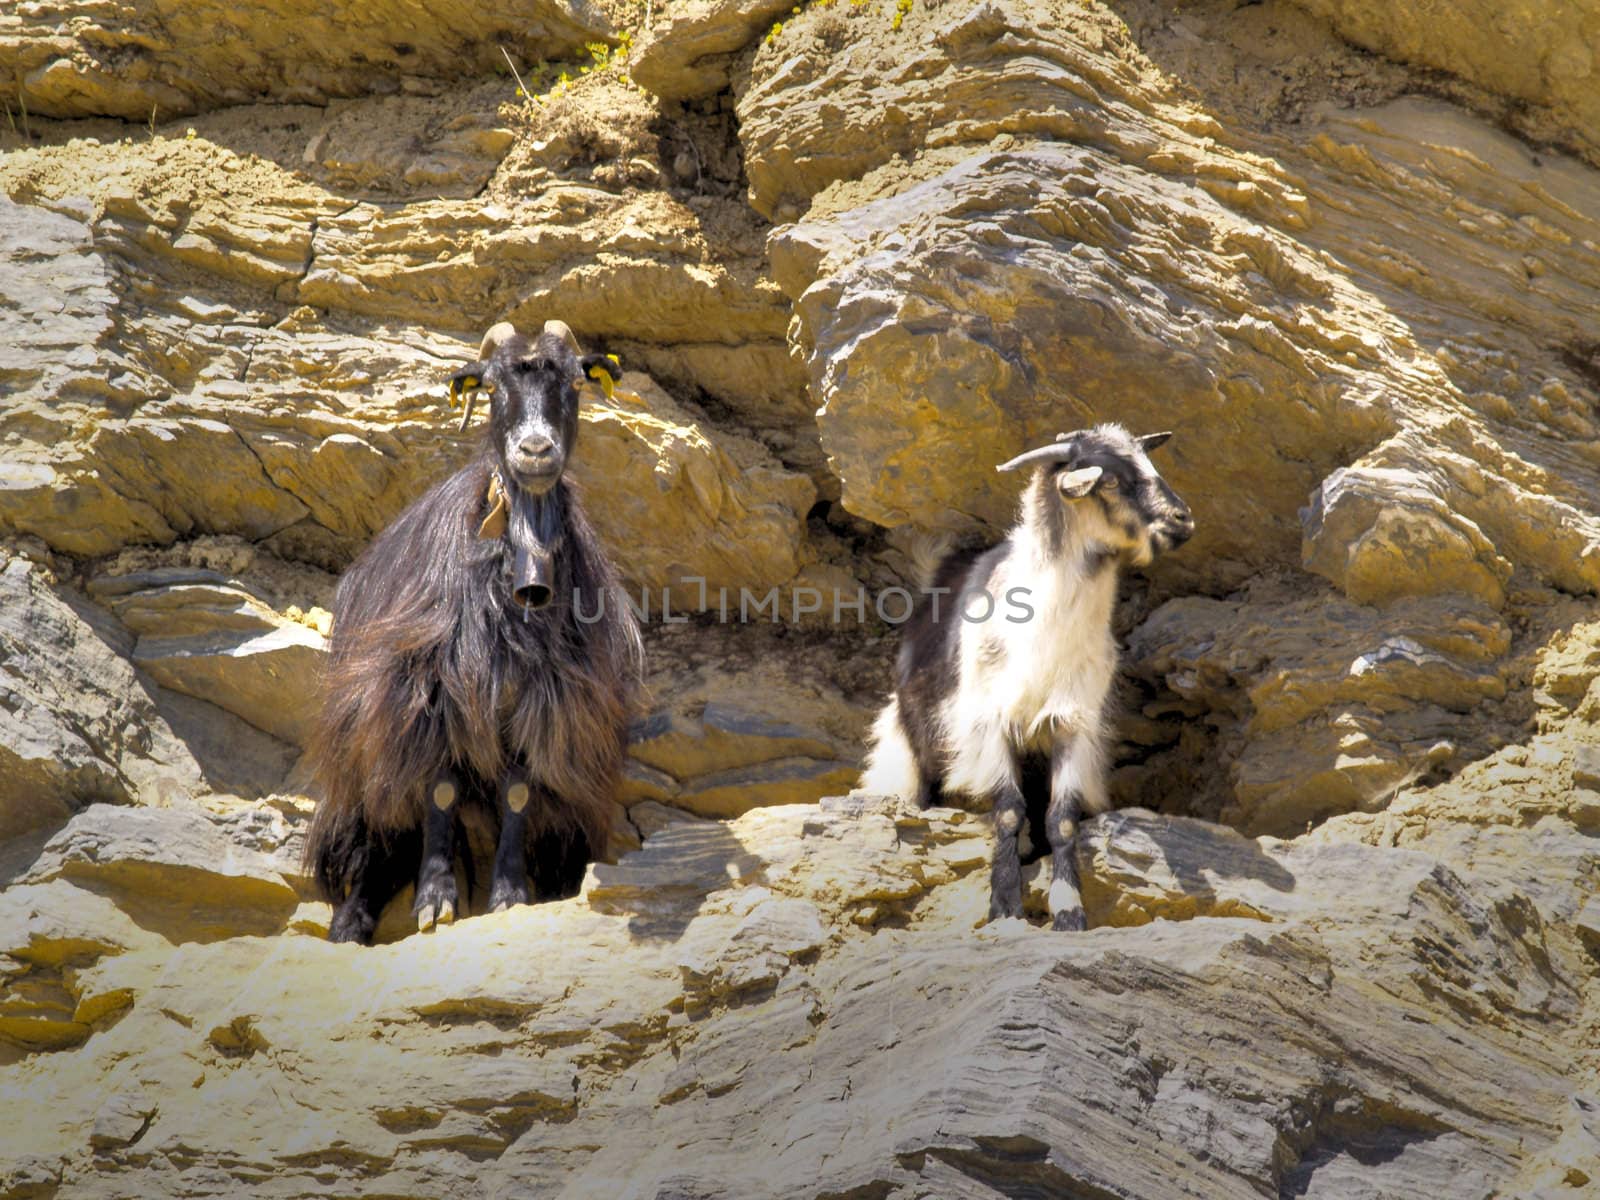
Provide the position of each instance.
(1023, 684)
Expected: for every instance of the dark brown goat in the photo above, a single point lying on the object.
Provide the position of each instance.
(483, 660)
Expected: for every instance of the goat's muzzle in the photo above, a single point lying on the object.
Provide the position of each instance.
(532, 577)
(1175, 530)
(536, 464)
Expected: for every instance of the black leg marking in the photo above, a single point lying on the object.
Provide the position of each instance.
(509, 886)
(1061, 827)
(437, 902)
(1005, 879)
(353, 921)
(377, 873)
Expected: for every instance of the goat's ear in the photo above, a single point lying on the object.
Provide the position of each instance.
(1151, 440)
(467, 379)
(1076, 484)
(463, 383)
(604, 369)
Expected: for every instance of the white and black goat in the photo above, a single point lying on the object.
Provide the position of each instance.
(981, 707)
(461, 679)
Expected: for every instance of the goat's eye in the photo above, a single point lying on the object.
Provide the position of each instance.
(1110, 483)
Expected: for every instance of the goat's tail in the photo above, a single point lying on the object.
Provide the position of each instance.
(891, 767)
(927, 552)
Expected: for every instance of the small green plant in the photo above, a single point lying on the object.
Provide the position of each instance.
(602, 57)
(901, 9)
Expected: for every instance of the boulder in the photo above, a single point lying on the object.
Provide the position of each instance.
(1330, 706)
(202, 635)
(174, 870)
(78, 724)
(1381, 533)
(135, 60)
(743, 715)
(920, 315)
(1541, 56)
(691, 49)
(728, 760)
(687, 510)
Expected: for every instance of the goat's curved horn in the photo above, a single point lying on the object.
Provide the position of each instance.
(561, 330)
(1055, 452)
(496, 335)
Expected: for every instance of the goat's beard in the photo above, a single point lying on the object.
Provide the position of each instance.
(534, 533)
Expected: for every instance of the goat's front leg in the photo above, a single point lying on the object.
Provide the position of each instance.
(510, 883)
(1005, 875)
(436, 901)
(1073, 776)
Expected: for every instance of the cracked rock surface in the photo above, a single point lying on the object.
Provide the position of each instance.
(798, 1002)
(1344, 934)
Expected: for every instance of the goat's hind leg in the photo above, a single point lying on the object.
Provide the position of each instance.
(1005, 875)
(1071, 775)
(437, 901)
(376, 871)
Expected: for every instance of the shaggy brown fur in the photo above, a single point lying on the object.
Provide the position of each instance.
(436, 673)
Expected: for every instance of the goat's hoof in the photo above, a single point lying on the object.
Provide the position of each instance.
(1000, 910)
(443, 913)
(507, 895)
(348, 927)
(1069, 920)
(435, 903)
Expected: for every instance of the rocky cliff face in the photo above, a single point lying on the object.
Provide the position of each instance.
(1344, 931)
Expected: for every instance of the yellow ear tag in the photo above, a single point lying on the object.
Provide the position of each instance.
(494, 525)
(603, 377)
(460, 387)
